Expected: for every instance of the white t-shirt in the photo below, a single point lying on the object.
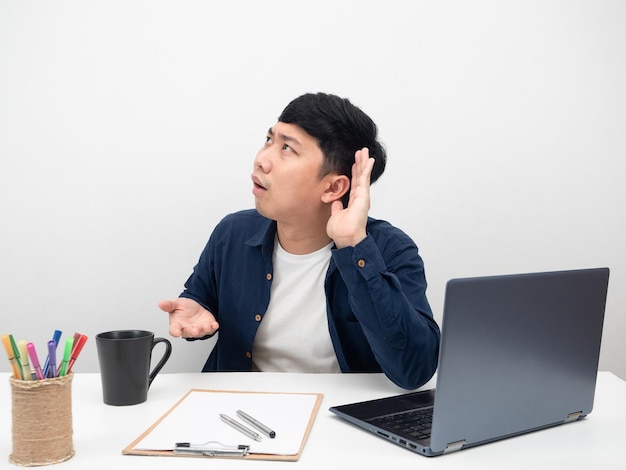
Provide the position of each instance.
(293, 335)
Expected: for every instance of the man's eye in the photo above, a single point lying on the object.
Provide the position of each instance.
(268, 140)
(286, 147)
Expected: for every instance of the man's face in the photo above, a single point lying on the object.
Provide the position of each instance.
(286, 179)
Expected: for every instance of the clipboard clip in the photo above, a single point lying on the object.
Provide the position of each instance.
(211, 449)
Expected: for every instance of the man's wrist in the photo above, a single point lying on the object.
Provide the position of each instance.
(352, 241)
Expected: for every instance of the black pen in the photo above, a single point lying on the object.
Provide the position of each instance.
(260, 426)
(240, 427)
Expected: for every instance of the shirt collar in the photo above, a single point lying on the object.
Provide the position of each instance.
(264, 237)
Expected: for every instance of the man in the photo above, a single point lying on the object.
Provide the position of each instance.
(308, 282)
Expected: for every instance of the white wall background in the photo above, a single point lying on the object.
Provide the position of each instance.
(128, 129)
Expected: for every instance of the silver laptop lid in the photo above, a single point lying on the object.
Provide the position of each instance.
(519, 352)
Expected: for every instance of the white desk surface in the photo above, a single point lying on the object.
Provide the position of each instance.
(102, 431)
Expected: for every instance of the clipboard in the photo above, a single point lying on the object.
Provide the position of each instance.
(193, 428)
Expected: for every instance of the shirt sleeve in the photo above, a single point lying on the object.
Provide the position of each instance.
(387, 291)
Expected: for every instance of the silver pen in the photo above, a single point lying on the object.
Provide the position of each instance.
(240, 427)
(257, 424)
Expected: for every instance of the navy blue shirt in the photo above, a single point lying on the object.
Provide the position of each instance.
(379, 318)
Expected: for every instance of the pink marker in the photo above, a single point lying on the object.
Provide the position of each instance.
(30, 347)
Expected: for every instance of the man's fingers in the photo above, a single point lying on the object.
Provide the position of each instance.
(175, 331)
(198, 331)
(362, 167)
(167, 305)
(336, 206)
(188, 319)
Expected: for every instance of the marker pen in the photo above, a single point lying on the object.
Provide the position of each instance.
(76, 349)
(6, 342)
(69, 342)
(30, 347)
(27, 373)
(56, 337)
(52, 360)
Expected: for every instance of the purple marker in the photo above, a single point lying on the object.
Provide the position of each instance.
(52, 357)
(56, 337)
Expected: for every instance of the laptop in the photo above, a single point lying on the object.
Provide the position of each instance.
(519, 353)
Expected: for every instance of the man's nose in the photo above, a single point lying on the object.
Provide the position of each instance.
(263, 159)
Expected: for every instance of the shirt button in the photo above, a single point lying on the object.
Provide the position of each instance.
(268, 276)
(257, 317)
(361, 263)
(248, 354)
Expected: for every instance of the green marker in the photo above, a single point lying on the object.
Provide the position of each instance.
(67, 353)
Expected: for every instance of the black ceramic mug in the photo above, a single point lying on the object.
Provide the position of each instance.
(125, 358)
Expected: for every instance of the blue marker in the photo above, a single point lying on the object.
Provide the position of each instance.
(52, 359)
(46, 365)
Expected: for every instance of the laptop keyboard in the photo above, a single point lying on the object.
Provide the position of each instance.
(414, 424)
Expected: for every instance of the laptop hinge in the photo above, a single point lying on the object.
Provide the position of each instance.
(573, 416)
(454, 446)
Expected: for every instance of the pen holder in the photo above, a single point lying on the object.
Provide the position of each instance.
(42, 421)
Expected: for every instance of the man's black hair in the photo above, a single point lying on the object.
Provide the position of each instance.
(340, 128)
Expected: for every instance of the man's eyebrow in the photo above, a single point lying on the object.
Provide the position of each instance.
(285, 137)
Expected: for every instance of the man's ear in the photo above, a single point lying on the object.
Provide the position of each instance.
(337, 186)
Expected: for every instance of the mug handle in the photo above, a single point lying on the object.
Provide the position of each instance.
(164, 358)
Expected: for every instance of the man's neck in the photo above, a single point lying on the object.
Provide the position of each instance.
(302, 239)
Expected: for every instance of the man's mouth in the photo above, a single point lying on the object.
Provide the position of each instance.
(258, 183)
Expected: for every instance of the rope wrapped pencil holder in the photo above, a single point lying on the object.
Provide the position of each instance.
(42, 421)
